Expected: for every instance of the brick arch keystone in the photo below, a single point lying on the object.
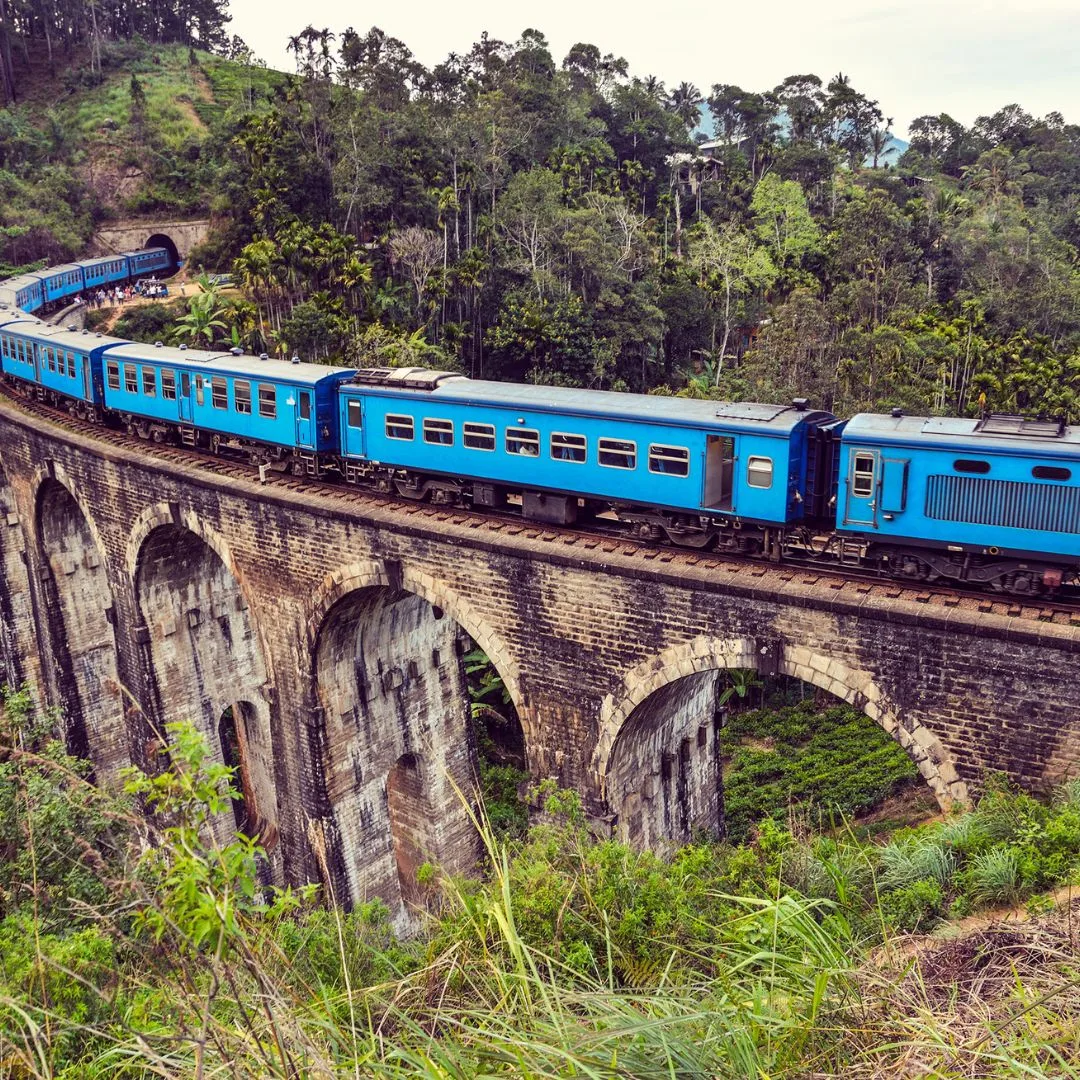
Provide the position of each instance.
(856, 687)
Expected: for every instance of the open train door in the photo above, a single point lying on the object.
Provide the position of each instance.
(719, 476)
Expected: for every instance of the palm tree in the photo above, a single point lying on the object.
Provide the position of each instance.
(653, 87)
(685, 102)
(880, 138)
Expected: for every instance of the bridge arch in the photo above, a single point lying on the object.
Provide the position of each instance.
(206, 658)
(80, 614)
(680, 663)
(397, 756)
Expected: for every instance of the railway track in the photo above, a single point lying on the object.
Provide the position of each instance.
(1062, 609)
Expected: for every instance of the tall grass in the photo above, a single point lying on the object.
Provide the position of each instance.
(745, 964)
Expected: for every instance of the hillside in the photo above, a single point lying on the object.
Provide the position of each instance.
(144, 137)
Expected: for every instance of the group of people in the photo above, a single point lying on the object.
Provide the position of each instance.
(113, 296)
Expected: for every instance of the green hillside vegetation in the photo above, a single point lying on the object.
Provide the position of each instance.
(138, 137)
(782, 957)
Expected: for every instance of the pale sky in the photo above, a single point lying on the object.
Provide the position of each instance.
(963, 57)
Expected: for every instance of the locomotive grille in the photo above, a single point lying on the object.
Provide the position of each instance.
(1010, 504)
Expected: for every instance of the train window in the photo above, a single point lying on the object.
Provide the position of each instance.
(71, 365)
(520, 440)
(219, 393)
(616, 453)
(354, 413)
(669, 460)
(242, 396)
(439, 431)
(399, 427)
(112, 374)
(149, 382)
(200, 398)
(305, 405)
(1051, 472)
(565, 447)
(168, 385)
(759, 472)
(971, 465)
(131, 378)
(478, 436)
(267, 401)
(862, 478)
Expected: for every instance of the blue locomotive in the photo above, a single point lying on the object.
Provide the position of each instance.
(994, 502)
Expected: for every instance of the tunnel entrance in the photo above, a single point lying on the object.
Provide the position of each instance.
(399, 756)
(208, 669)
(79, 612)
(711, 755)
(165, 241)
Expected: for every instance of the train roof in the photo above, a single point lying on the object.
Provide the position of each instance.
(144, 251)
(22, 280)
(226, 363)
(63, 268)
(745, 416)
(992, 434)
(62, 335)
(99, 259)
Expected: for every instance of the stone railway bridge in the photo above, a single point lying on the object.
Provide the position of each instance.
(316, 638)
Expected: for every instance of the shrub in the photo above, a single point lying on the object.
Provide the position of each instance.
(915, 906)
(994, 877)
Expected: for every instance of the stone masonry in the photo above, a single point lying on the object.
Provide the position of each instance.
(315, 635)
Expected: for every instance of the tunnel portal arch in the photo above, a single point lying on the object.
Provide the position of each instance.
(160, 239)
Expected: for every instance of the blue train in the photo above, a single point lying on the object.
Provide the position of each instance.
(31, 292)
(994, 502)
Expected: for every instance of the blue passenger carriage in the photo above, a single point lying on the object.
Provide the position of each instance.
(97, 273)
(61, 282)
(703, 466)
(148, 261)
(273, 409)
(57, 365)
(24, 292)
(994, 500)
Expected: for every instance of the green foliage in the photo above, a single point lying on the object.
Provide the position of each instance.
(835, 760)
(576, 955)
